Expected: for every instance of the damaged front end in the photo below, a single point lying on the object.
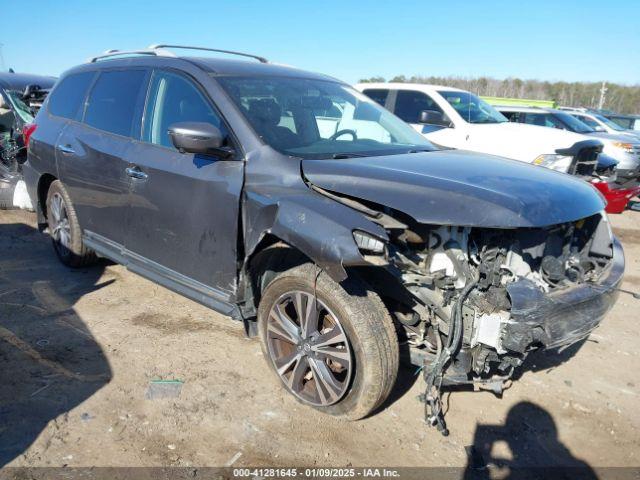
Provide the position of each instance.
(484, 298)
(485, 259)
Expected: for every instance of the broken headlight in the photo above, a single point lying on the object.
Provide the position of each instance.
(561, 163)
(368, 244)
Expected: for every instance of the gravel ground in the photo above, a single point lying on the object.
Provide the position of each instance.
(79, 351)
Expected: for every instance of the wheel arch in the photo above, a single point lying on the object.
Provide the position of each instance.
(44, 183)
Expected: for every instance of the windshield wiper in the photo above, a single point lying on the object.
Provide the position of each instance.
(340, 156)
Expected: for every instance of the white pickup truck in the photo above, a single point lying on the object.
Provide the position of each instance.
(454, 118)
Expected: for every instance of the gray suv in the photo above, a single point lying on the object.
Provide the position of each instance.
(337, 234)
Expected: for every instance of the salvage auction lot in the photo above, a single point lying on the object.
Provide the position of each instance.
(82, 351)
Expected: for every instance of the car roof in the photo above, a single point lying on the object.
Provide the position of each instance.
(19, 81)
(515, 108)
(213, 65)
(408, 86)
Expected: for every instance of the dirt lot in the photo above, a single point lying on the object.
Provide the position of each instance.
(78, 350)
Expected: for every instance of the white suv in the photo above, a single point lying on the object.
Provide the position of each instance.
(454, 118)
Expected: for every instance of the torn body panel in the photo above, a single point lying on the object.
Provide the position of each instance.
(285, 207)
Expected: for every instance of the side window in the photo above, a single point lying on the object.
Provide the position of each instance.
(67, 97)
(513, 116)
(172, 99)
(542, 120)
(592, 123)
(378, 95)
(409, 104)
(112, 101)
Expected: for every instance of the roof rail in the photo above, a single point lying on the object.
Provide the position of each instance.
(230, 52)
(158, 52)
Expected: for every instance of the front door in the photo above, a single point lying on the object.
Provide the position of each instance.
(183, 215)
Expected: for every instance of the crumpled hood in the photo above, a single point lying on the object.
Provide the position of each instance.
(455, 187)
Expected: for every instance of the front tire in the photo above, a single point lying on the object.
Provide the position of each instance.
(333, 346)
(64, 228)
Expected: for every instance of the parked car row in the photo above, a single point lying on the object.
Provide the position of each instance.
(623, 148)
(337, 232)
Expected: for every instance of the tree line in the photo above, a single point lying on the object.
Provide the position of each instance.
(618, 98)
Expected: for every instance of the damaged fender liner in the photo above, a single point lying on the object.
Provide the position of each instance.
(560, 318)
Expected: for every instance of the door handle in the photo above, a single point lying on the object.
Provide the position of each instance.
(66, 149)
(135, 172)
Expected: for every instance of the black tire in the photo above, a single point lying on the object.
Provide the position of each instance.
(74, 253)
(368, 327)
(7, 188)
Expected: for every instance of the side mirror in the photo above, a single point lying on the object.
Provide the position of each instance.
(599, 128)
(198, 137)
(433, 117)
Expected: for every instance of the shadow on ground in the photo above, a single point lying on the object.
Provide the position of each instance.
(543, 359)
(49, 360)
(526, 446)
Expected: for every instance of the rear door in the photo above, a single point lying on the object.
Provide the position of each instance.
(63, 106)
(91, 154)
(184, 208)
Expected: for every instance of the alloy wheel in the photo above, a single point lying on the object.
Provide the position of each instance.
(309, 348)
(60, 226)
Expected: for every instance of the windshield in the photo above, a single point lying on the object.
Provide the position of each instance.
(19, 106)
(573, 123)
(471, 108)
(320, 119)
(609, 123)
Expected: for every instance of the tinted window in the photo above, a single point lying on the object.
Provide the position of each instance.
(513, 116)
(542, 120)
(626, 123)
(173, 99)
(67, 97)
(378, 95)
(409, 105)
(589, 121)
(112, 101)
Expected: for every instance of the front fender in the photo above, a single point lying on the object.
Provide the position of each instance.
(320, 228)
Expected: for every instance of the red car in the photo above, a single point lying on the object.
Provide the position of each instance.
(617, 198)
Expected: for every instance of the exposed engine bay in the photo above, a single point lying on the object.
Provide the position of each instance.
(484, 298)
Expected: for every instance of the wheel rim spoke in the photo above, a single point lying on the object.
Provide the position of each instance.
(55, 207)
(327, 387)
(65, 233)
(284, 363)
(332, 337)
(300, 369)
(340, 356)
(306, 308)
(282, 326)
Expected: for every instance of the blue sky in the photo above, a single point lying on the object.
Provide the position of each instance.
(551, 40)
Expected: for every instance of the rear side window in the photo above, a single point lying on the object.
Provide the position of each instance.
(378, 95)
(409, 104)
(513, 116)
(112, 101)
(542, 120)
(66, 99)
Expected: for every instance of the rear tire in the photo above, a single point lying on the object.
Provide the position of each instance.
(360, 363)
(64, 228)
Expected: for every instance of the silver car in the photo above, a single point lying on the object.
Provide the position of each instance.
(625, 149)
